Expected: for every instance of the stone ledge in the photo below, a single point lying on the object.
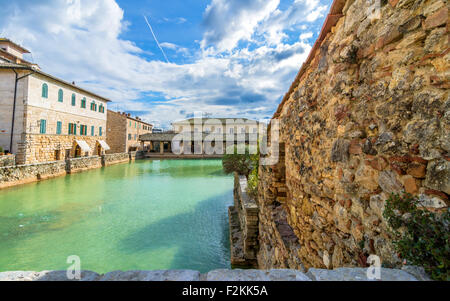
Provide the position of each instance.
(340, 274)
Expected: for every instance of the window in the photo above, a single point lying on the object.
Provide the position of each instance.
(60, 95)
(129, 136)
(130, 123)
(135, 125)
(83, 103)
(72, 129)
(45, 90)
(231, 131)
(135, 137)
(58, 128)
(255, 130)
(92, 130)
(100, 131)
(242, 131)
(43, 126)
(101, 109)
(74, 100)
(83, 130)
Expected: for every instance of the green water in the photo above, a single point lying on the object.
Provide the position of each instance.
(145, 215)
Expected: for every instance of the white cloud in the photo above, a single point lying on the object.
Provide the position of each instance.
(230, 21)
(78, 40)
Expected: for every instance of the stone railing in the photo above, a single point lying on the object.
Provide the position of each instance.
(243, 220)
(408, 273)
(75, 165)
(110, 159)
(7, 160)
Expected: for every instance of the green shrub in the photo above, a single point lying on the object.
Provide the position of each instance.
(1, 149)
(253, 178)
(420, 236)
(244, 164)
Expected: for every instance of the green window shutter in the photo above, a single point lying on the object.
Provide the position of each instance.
(60, 95)
(92, 130)
(73, 100)
(45, 90)
(69, 129)
(74, 129)
(100, 131)
(43, 127)
(58, 127)
(83, 103)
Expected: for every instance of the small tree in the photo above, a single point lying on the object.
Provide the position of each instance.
(240, 163)
(420, 236)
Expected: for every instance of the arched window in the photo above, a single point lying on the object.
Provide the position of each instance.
(74, 100)
(83, 103)
(60, 95)
(44, 90)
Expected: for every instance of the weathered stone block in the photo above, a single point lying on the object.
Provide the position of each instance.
(256, 275)
(358, 274)
(163, 275)
(438, 175)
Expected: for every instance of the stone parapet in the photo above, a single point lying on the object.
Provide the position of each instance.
(23, 174)
(110, 159)
(243, 218)
(343, 274)
(75, 165)
(28, 173)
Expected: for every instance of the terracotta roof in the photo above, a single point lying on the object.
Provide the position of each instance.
(331, 20)
(129, 117)
(10, 57)
(25, 67)
(14, 44)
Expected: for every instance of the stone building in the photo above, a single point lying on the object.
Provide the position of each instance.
(44, 118)
(124, 131)
(367, 115)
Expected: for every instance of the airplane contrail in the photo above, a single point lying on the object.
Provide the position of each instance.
(154, 36)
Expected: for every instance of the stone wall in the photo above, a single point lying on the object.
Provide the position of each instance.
(23, 174)
(110, 159)
(243, 221)
(368, 115)
(343, 274)
(46, 148)
(7, 160)
(117, 132)
(75, 165)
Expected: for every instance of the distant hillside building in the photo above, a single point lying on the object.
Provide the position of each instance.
(204, 137)
(217, 125)
(124, 131)
(44, 118)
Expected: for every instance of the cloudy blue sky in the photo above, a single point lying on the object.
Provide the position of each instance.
(228, 58)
